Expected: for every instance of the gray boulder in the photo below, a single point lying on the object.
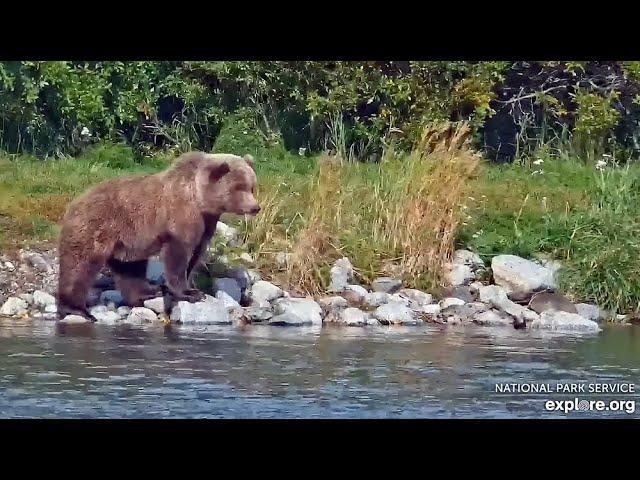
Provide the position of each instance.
(386, 284)
(564, 321)
(395, 313)
(208, 312)
(307, 309)
(341, 274)
(520, 277)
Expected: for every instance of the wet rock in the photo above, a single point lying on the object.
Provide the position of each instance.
(43, 299)
(492, 318)
(460, 314)
(307, 309)
(355, 317)
(155, 304)
(258, 314)
(208, 312)
(520, 277)
(51, 308)
(263, 292)
(386, 284)
(547, 301)
(141, 315)
(74, 320)
(13, 306)
(341, 274)
(564, 321)
(395, 313)
(123, 311)
(111, 296)
(590, 312)
(228, 286)
(287, 319)
(430, 310)
(103, 315)
(375, 299)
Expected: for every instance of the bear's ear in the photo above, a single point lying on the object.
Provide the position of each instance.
(218, 171)
(249, 159)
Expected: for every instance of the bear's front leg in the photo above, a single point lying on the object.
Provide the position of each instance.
(176, 256)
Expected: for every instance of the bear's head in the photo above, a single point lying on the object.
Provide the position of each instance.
(227, 184)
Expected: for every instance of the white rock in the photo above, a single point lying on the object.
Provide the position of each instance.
(417, 298)
(140, 315)
(457, 275)
(450, 301)
(10, 266)
(263, 292)
(43, 299)
(395, 313)
(123, 312)
(229, 302)
(27, 297)
(467, 257)
(341, 274)
(209, 312)
(246, 257)
(254, 276)
(111, 296)
(287, 319)
(564, 321)
(386, 284)
(13, 306)
(307, 309)
(520, 277)
(474, 287)
(155, 304)
(228, 286)
(375, 299)
(228, 234)
(432, 309)
(497, 297)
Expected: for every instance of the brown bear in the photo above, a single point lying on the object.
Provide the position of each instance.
(122, 222)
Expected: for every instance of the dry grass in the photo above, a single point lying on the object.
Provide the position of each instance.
(397, 218)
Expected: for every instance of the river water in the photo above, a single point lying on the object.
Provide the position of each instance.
(432, 371)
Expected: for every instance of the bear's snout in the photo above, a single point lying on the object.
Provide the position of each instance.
(254, 210)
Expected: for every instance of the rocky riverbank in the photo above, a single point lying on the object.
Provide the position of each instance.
(512, 292)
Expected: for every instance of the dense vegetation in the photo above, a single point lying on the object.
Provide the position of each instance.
(354, 108)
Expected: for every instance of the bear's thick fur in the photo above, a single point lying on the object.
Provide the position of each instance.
(122, 222)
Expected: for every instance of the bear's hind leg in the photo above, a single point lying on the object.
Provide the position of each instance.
(131, 280)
